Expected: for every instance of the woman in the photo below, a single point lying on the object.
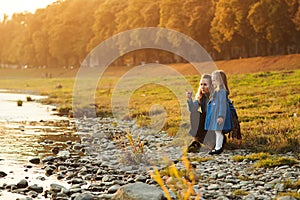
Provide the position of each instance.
(218, 117)
(197, 109)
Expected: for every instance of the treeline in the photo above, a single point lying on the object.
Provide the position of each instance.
(66, 31)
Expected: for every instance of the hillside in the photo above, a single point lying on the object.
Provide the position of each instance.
(250, 65)
(237, 66)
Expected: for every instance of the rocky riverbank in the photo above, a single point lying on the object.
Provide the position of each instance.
(105, 164)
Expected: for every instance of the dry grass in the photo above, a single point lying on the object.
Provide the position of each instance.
(267, 101)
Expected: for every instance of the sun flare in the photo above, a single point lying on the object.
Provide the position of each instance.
(16, 6)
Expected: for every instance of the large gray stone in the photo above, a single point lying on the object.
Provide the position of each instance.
(84, 196)
(35, 161)
(2, 174)
(139, 191)
(56, 188)
(22, 183)
(36, 188)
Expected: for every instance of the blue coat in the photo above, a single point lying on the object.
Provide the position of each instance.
(218, 107)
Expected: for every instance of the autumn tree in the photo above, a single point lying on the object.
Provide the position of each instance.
(137, 14)
(39, 36)
(105, 24)
(230, 29)
(270, 20)
(65, 32)
(16, 44)
(200, 14)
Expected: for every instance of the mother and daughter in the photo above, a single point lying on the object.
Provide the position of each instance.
(209, 112)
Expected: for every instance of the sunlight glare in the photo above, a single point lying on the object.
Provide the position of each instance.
(16, 6)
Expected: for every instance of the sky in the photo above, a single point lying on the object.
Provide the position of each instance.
(15, 6)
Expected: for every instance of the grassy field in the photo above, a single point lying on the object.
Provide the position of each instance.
(265, 91)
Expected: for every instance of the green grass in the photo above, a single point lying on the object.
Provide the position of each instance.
(266, 160)
(251, 157)
(292, 185)
(292, 194)
(268, 104)
(275, 162)
(240, 192)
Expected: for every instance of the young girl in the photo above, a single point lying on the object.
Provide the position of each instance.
(197, 109)
(218, 111)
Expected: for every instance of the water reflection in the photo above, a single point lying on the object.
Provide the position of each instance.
(26, 127)
(21, 142)
(26, 132)
(29, 111)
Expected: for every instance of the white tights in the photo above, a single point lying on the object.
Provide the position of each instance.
(219, 140)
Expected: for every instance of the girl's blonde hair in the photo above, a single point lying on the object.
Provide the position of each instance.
(221, 79)
(199, 94)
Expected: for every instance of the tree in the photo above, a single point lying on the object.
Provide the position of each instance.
(105, 24)
(16, 40)
(296, 18)
(80, 18)
(270, 20)
(39, 36)
(230, 28)
(172, 17)
(294, 11)
(137, 14)
(200, 15)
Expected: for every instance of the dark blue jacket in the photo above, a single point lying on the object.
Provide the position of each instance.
(196, 116)
(193, 107)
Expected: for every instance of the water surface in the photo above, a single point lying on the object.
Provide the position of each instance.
(29, 111)
(29, 131)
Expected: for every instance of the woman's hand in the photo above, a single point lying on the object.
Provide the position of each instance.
(220, 120)
(189, 95)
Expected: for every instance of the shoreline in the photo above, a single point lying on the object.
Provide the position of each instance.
(92, 167)
(93, 158)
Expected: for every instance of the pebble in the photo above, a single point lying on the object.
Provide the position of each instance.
(107, 164)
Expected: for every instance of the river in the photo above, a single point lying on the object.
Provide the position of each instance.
(29, 131)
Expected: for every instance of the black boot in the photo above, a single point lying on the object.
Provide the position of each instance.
(224, 140)
(194, 147)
